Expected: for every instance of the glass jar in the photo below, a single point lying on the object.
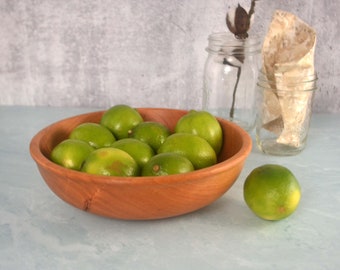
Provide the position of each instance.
(230, 76)
(284, 112)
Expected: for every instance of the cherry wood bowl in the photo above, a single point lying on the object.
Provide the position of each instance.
(140, 198)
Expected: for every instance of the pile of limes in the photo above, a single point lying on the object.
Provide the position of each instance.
(123, 144)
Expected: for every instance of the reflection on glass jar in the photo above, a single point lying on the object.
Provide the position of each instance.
(284, 112)
(230, 77)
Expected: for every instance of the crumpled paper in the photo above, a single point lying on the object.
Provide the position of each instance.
(288, 59)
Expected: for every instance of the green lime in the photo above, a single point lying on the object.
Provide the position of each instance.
(140, 151)
(110, 162)
(272, 192)
(203, 124)
(193, 147)
(71, 153)
(152, 133)
(167, 164)
(94, 134)
(121, 119)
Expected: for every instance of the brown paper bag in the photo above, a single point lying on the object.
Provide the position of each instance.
(288, 59)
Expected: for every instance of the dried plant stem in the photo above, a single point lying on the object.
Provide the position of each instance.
(232, 108)
(239, 26)
(252, 8)
(239, 69)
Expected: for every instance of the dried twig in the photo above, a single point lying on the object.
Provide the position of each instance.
(239, 27)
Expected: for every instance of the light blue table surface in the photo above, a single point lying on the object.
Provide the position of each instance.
(40, 231)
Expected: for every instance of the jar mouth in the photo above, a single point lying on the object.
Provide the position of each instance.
(224, 43)
(283, 82)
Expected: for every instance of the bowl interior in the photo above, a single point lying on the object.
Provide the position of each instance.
(234, 138)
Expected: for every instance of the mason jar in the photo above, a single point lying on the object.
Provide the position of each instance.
(284, 112)
(230, 76)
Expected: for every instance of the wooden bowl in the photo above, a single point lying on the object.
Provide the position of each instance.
(140, 198)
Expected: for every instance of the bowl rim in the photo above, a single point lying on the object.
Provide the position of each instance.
(42, 161)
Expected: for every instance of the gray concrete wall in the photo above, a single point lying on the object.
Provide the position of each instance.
(143, 53)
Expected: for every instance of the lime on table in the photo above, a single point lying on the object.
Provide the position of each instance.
(272, 192)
